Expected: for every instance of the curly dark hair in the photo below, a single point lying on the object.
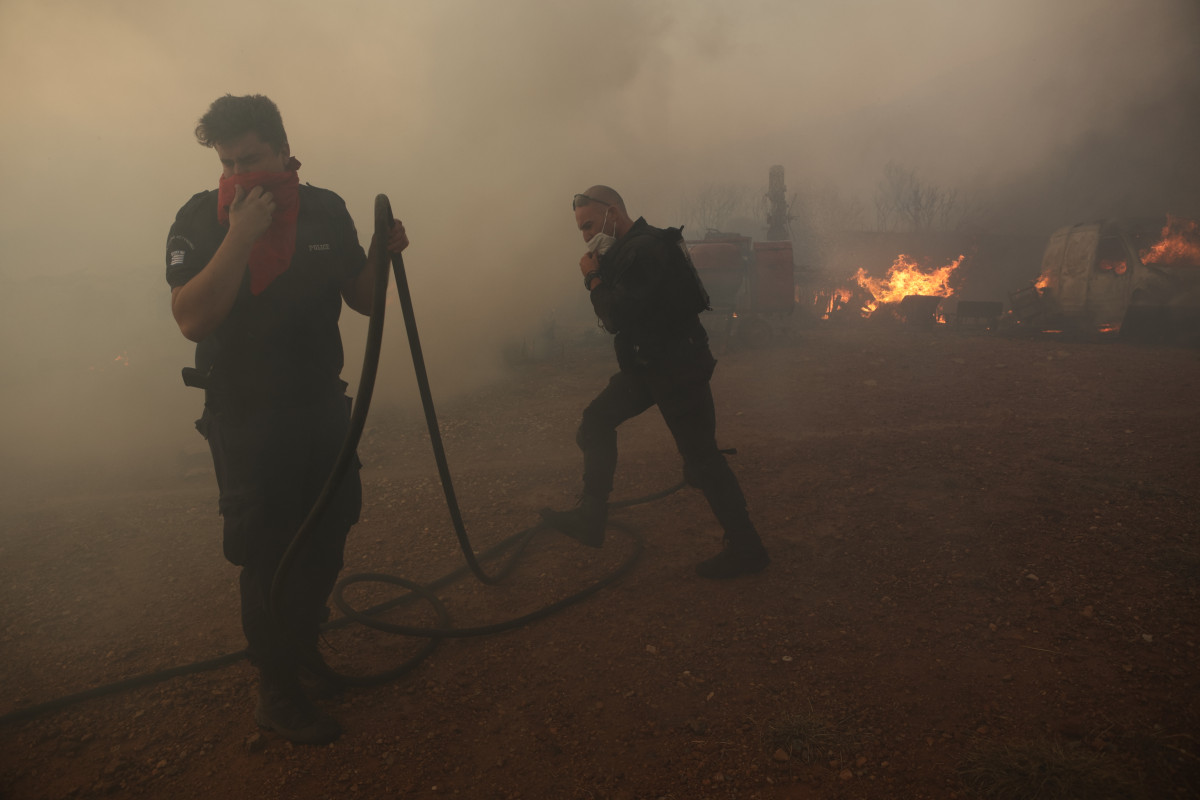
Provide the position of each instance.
(231, 117)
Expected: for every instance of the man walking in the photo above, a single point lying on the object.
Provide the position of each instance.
(646, 291)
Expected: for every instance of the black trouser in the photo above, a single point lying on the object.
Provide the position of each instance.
(271, 466)
(683, 396)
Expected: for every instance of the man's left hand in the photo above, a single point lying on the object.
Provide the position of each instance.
(396, 242)
(397, 237)
(589, 263)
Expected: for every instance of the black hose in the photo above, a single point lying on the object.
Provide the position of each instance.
(383, 220)
(148, 679)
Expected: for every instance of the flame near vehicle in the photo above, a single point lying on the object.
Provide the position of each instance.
(1137, 277)
(1180, 244)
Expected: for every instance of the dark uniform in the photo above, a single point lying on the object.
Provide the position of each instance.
(650, 296)
(276, 413)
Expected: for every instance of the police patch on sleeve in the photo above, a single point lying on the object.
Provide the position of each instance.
(180, 242)
(178, 247)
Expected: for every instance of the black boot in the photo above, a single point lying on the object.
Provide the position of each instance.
(584, 523)
(283, 708)
(743, 555)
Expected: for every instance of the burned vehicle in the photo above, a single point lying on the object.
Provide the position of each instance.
(1140, 277)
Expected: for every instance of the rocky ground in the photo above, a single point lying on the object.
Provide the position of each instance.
(985, 568)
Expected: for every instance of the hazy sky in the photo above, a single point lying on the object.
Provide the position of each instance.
(480, 119)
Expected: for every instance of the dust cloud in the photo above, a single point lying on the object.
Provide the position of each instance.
(480, 119)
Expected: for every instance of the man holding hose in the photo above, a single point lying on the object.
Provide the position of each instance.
(258, 270)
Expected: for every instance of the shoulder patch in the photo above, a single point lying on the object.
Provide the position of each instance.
(178, 240)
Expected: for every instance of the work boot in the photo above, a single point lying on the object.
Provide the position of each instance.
(739, 557)
(283, 708)
(584, 523)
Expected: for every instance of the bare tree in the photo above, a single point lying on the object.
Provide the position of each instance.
(903, 202)
(820, 215)
(715, 205)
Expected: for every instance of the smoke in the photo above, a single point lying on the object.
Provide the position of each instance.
(480, 119)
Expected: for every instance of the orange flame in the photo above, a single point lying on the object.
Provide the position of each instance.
(831, 301)
(905, 277)
(1180, 242)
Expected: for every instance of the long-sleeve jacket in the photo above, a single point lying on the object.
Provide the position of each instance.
(650, 295)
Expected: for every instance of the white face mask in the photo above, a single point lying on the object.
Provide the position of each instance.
(602, 242)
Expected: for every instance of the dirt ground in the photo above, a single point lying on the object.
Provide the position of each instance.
(985, 565)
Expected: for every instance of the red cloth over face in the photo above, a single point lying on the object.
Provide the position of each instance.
(272, 253)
